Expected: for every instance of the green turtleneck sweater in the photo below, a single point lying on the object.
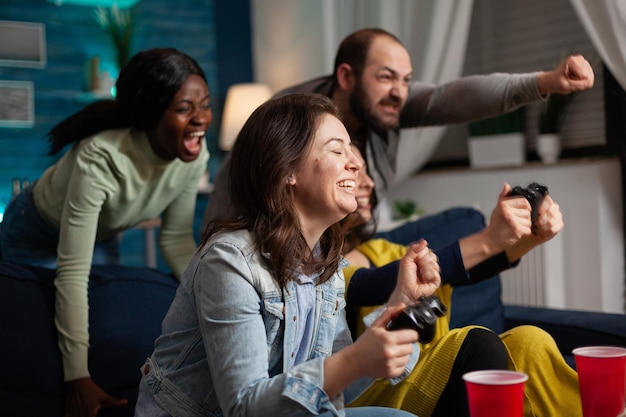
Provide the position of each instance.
(102, 186)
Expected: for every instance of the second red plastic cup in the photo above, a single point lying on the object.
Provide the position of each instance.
(495, 393)
(602, 379)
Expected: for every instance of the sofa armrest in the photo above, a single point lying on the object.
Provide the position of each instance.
(570, 328)
(126, 307)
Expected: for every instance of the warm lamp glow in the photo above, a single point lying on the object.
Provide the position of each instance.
(241, 101)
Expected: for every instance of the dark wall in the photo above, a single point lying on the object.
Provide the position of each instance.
(216, 33)
(615, 105)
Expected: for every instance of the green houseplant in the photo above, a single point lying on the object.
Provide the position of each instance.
(117, 23)
(406, 210)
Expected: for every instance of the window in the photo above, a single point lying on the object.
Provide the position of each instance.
(516, 36)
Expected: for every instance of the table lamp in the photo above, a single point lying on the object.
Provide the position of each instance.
(241, 101)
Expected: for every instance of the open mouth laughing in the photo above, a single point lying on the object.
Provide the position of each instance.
(193, 142)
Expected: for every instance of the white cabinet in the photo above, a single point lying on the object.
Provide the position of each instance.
(583, 267)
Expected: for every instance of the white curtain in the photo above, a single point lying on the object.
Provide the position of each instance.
(296, 40)
(605, 23)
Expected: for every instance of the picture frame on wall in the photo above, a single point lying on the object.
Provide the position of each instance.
(17, 107)
(23, 44)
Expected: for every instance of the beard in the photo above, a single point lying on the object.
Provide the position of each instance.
(367, 114)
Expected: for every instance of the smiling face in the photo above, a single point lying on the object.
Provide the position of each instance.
(181, 130)
(324, 185)
(364, 189)
(382, 89)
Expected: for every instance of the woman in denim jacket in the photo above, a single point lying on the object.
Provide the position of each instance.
(257, 327)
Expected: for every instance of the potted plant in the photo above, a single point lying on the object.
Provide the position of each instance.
(117, 23)
(551, 119)
(406, 210)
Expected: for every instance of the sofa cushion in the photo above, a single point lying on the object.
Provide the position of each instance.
(127, 306)
(571, 328)
(32, 374)
(480, 303)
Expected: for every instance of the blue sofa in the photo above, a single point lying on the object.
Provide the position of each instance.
(126, 308)
(127, 305)
(481, 303)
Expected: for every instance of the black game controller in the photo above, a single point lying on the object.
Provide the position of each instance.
(420, 317)
(534, 193)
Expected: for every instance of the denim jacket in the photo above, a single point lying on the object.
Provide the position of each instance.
(228, 331)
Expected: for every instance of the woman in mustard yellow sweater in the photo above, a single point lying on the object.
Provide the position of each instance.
(435, 388)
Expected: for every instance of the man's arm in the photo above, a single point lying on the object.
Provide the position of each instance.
(479, 97)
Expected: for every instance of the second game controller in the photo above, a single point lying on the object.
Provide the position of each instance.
(534, 193)
(420, 317)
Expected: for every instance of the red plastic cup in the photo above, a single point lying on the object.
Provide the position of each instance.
(495, 393)
(602, 380)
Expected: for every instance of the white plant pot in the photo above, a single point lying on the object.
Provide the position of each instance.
(548, 148)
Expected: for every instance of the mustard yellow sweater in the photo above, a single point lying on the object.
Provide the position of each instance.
(552, 386)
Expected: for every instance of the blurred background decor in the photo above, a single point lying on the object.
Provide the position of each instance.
(118, 24)
(551, 118)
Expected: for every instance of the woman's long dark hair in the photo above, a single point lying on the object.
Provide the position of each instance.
(145, 88)
(272, 144)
